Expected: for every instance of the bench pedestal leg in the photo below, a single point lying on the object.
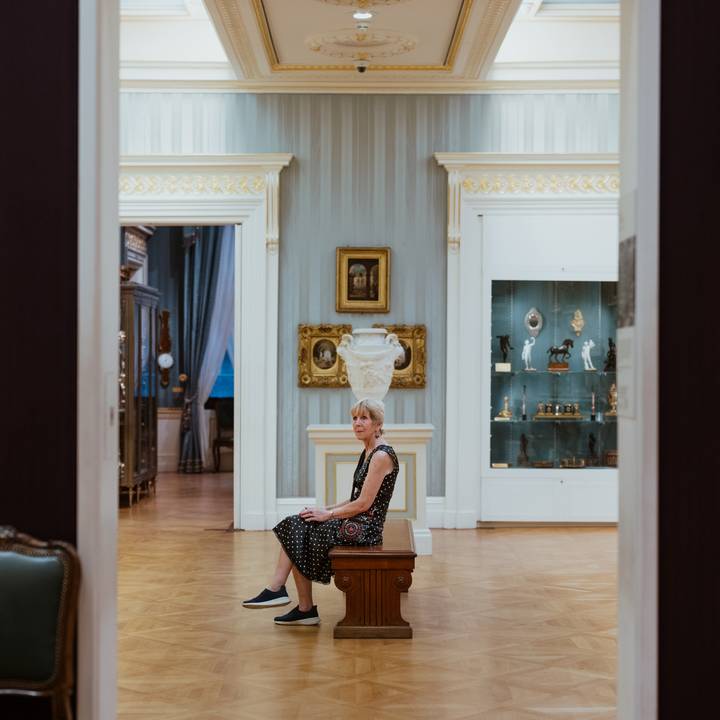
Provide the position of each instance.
(372, 603)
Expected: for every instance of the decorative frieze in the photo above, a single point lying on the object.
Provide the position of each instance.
(534, 184)
(192, 184)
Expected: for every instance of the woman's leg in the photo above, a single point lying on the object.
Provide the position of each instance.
(304, 588)
(282, 570)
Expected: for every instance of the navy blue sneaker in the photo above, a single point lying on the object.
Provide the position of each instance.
(297, 617)
(268, 598)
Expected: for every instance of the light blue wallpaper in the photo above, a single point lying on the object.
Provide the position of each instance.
(363, 174)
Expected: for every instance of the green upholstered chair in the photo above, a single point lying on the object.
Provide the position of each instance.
(38, 608)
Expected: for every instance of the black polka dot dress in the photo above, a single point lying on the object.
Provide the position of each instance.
(308, 544)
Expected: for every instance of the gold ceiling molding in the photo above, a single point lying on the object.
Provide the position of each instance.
(511, 183)
(191, 184)
(447, 66)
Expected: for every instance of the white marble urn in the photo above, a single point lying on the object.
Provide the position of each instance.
(370, 355)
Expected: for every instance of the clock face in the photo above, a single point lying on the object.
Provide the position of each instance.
(165, 361)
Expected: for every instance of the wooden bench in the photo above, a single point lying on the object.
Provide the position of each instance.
(372, 579)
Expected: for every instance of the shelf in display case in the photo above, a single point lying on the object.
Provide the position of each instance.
(559, 373)
(549, 421)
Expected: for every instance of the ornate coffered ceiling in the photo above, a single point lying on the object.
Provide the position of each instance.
(410, 45)
(437, 46)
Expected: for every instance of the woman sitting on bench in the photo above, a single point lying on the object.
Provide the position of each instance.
(306, 539)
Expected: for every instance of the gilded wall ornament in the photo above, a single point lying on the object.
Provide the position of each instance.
(533, 321)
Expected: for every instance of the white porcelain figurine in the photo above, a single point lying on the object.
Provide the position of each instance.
(527, 352)
(369, 355)
(587, 346)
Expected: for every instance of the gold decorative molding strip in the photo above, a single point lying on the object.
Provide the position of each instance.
(509, 184)
(261, 17)
(277, 66)
(458, 33)
(191, 184)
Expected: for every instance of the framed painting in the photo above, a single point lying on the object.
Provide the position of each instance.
(319, 365)
(362, 280)
(409, 369)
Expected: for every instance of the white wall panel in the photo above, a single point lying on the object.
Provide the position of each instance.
(363, 174)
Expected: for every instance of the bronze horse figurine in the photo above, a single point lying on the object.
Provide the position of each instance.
(562, 350)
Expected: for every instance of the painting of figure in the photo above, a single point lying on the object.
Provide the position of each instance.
(324, 354)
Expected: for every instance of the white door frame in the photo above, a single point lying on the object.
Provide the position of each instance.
(240, 190)
(97, 356)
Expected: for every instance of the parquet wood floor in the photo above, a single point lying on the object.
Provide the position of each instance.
(510, 624)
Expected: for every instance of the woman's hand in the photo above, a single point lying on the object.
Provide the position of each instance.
(315, 514)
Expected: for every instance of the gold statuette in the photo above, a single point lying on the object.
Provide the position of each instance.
(506, 412)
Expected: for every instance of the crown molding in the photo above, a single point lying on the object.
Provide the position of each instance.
(491, 31)
(575, 12)
(163, 71)
(206, 163)
(419, 86)
(585, 71)
(603, 162)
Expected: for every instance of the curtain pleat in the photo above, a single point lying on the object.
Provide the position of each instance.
(221, 325)
(202, 248)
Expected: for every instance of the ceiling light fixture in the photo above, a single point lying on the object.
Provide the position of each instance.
(362, 15)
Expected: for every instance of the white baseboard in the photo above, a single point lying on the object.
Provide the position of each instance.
(423, 541)
(254, 521)
(459, 520)
(435, 511)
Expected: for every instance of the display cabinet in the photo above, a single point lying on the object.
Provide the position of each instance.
(138, 388)
(553, 389)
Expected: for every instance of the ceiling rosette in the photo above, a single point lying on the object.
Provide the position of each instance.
(356, 44)
(362, 4)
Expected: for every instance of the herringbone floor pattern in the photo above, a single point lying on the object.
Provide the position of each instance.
(512, 624)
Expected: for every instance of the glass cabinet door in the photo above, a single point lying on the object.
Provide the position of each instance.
(553, 405)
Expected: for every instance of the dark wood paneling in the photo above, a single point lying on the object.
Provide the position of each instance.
(689, 386)
(38, 207)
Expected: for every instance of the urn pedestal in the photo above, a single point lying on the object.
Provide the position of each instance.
(335, 450)
(370, 355)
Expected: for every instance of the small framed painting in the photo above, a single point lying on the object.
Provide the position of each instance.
(409, 369)
(362, 280)
(319, 365)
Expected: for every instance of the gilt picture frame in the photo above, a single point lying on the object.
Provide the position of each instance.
(362, 279)
(409, 370)
(319, 364)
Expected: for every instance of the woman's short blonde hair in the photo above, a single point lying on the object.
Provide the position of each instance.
(374, 408)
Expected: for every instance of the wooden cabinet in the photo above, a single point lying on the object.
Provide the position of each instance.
(138, 388)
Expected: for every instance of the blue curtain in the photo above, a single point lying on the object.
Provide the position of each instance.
(202, 249)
